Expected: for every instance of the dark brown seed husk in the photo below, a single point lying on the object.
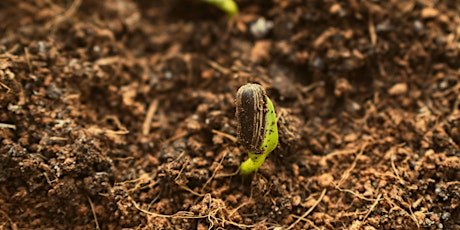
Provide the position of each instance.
(251, 111)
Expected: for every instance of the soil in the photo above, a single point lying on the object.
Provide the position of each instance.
(121, 114)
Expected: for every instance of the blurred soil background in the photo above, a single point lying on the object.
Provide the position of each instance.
(120, 114)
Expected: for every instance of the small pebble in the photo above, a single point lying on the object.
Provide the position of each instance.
(418, 25)
(261, 27)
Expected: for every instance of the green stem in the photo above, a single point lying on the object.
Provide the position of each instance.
(253, 163)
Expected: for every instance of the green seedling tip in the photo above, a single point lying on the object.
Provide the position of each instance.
(228, 6)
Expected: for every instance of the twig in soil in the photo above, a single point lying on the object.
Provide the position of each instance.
(175, 137)
(243, 204)
(453, 183)
(324, 36)
(373, 206)
(47, 178)
(353, 193)
(94, 213)
(26, 52)
(183, 186)
(309, 210)
(11, 51)
(394, 168)
(8, 89)
(228, 174)
(354, 214)
(394, 205)
(337, 153)
(372, 33)
(226, 135)
(215, 171)
(413, 216)
(382, 71)
(149, 116)
(180, 214)
(7, 126)
(144, 178)
(346, 174)
(115, 132)
(219, 68)
(65, 16)
(191, 215)
(59, 138)
(153, 201)
(12, 224)
(308, 221)
(187, 58)
(121, 128)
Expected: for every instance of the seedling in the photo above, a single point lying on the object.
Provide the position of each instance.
(228, 6)
(257, 128)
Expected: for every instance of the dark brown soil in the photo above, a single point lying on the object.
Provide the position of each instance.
(120, 114)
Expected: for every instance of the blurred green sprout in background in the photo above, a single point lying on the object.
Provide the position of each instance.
(228, 6)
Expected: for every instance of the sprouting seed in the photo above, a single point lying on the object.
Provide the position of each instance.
(257, 128)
